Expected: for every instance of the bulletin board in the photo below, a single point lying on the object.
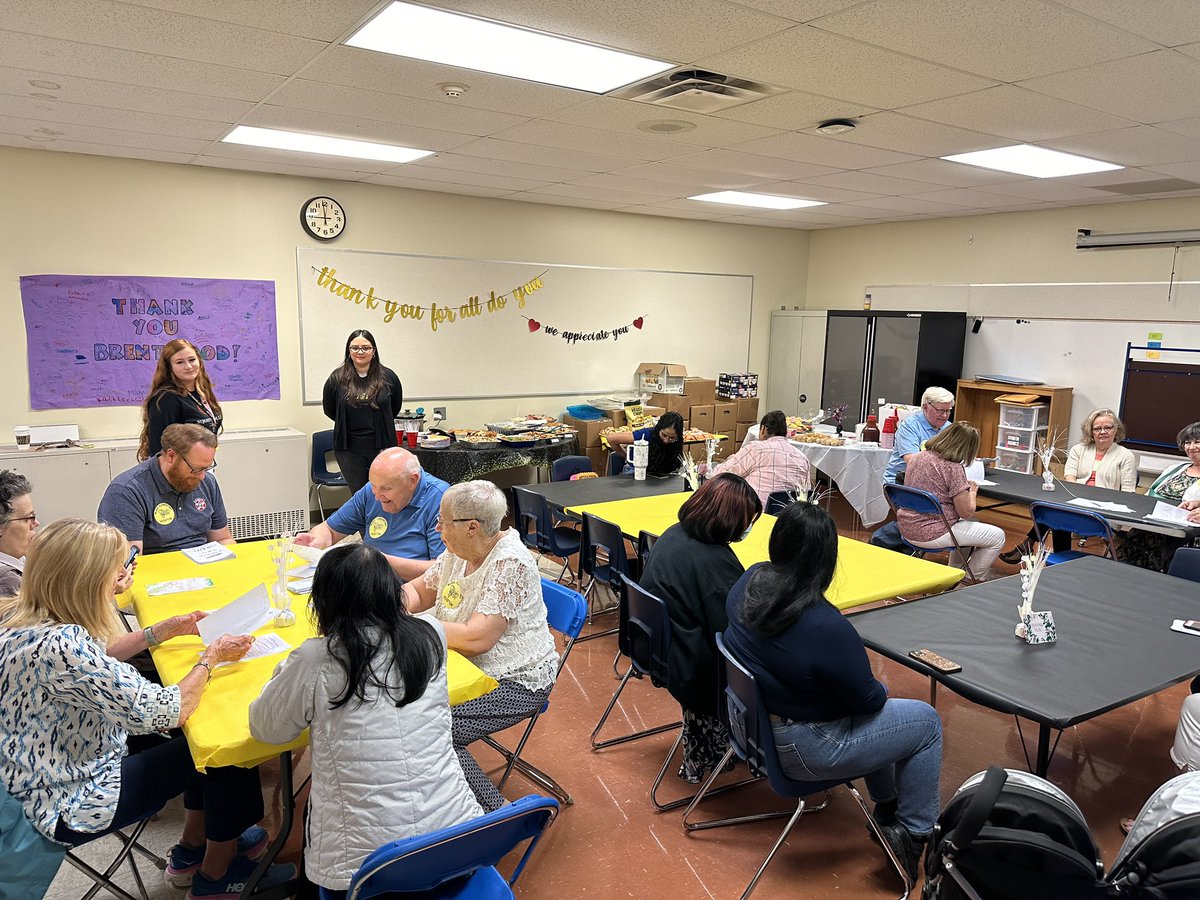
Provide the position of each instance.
(454, 328)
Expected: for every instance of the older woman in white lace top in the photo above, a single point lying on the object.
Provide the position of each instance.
(486, 591)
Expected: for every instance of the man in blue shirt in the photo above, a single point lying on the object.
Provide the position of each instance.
(396, 512)
(936, 405)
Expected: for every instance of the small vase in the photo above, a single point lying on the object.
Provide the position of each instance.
(1047, 480)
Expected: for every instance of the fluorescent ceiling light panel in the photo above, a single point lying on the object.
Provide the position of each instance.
(439, 36)
(1037, 162)
(765, 201)
(319, 143)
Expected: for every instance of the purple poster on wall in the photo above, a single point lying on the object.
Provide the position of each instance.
(93, 340)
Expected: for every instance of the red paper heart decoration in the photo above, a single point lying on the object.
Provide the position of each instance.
(534, 325)
(637, 323)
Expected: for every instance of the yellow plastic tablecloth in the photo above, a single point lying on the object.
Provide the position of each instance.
(865, 574)
(218, 732)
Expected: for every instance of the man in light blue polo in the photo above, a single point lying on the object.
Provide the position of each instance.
(936, 406)
(396, 512)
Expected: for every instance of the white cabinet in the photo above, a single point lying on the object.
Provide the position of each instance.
(65, 482)
(796, 362)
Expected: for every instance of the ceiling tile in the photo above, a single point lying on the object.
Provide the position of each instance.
(119, 119)
(875, 184)
(67, 132)
(799, 10)
(1143, 145)
(1186, 170)
(694, 179)
(462, 179)
(591, 193)
(626, 116)
(1153, 87)
(1018, 114)
(1009, 41)
(509, 168)
(904, 205)
(831, 65)
(218, 162)
(654, 210)
(440, 187)
(738, 162)
(1186, 127)
(89, 61)
(263, 155)
(648, 188)
(823, 151)
(919, 137)
(112, 24)
(367, 104)
(347, 126)
(1168, 22)
(971, 198)
(90, 149)
(762, 223)
(544, 156)
(807, 191)
(795, 110)
(323, 20)
(1046, 190)
(575, 137)
(563, 201)
(943, 172)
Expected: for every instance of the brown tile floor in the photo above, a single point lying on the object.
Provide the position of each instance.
(611, 842)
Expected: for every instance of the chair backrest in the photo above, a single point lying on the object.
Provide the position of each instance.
(778, 501)
(1186, 563)
(566, 610)
(750, 729)
(900, 496)
(322, 444)
(529, 512)
(564, 467)
(645, 544)
(602, 550)
(1068, 520)
(423, 862)
(647, 632)
(616, 463)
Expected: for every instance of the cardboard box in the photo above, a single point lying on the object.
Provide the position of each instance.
(726, 449)
(743, 429)
(589, 430)
(725, 418)
(660, 377)
(701, 391)
(671, 403)
(655, 411)
(748, 410)
(599, 458)
(701, 417)
(617, 416)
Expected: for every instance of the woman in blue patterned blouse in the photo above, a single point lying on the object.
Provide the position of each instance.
(69, 706)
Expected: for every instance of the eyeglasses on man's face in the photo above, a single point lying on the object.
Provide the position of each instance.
(197, 471)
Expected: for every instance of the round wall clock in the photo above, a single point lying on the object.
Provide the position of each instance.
(323, 218)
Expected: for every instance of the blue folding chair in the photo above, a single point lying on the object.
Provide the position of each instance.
(322, 445)
(566, 611)
(778, 501)
(602, 558)
(1186, 564)
(924, 503)
(565, 466)
(753, 740)
(1056, 517)
(531, 511)
(455, 862)
(616, 463)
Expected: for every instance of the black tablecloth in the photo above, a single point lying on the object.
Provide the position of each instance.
(1013, 487)
(458, 463)
(1114, 639)
(562, 494)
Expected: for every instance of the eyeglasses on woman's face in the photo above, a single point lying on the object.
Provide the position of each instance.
(361, 349)
(31, 519)
(1100, 428)
(440, 523)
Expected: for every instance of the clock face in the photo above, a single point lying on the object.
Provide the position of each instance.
(323, 218)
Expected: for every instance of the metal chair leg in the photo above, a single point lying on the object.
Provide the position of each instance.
(878, 832)
(103, 880)
(530, 771)
(734, 820)
(787, 829)
(691, 799)
(633, 736)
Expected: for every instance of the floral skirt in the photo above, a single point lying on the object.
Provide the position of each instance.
(705, 740)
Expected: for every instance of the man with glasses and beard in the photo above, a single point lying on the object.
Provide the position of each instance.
(171, 501)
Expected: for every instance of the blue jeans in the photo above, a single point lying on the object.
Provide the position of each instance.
(897, 751)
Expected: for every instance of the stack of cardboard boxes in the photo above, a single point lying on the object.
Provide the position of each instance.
(589, 433)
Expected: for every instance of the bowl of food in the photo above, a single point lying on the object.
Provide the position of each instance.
(476, 439)
(434, 441)
(522, 439)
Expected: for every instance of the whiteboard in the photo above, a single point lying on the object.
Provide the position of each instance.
(578, 330)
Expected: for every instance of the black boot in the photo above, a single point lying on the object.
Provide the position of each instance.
(907, 847)
(1013, 556)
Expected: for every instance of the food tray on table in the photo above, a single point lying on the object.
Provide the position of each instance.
(434, 441)
(476, 439)
(521, 424)
(691, 435)
(516, 441)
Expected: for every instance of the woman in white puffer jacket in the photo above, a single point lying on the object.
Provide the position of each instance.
(372, 689)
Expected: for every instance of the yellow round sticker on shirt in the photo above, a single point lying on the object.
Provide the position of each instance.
(377, 527)
(164, 514)
(452, 595)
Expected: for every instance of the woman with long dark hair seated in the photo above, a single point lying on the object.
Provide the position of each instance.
(665, 453)
(372, 690)
(692, 568)
(831, 717)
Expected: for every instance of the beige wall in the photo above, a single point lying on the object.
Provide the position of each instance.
(96, 215)
(1004, 248)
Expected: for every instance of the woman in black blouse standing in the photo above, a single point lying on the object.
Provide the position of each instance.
(180, 394)
(363, 398)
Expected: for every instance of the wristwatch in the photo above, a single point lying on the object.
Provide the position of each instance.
(151, 639)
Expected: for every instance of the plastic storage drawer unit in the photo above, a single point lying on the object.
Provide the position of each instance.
(1022, 461)
(1012, 416)
(1019, 438)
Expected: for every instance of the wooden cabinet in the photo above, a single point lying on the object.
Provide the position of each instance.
(976, 403)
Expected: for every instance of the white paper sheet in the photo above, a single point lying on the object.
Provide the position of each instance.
(1166, 512)
(210, 552)
(975, 472)
(305, 571)
(245, 615)
(1177, 625)
(1099, 504)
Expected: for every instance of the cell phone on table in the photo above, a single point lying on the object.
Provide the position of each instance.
(133, 552)
(1192, 625)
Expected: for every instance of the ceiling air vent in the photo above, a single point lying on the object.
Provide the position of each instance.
(696, 91)
(1158, 186)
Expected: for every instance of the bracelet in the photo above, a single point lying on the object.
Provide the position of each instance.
(206, 666)
(151, 638)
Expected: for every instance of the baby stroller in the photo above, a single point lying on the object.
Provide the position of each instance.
(1161, 857)
(1010, 835)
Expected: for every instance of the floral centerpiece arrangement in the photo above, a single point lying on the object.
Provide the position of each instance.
(1046, 449)
(281, 555)
(1034, 627)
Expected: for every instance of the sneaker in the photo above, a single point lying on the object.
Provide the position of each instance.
(182, 862)
(908, 849)
(230, 885)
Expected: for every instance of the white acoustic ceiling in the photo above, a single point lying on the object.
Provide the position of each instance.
(1112, 79)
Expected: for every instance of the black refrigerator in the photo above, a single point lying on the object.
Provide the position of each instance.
(893, 355)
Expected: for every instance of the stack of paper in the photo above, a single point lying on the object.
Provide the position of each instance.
(1171, 515)
(210, 552)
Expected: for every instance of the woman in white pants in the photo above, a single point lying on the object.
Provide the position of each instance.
(939, 469)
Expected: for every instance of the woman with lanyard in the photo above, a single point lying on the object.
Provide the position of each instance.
(180, 394)
(362, 397)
